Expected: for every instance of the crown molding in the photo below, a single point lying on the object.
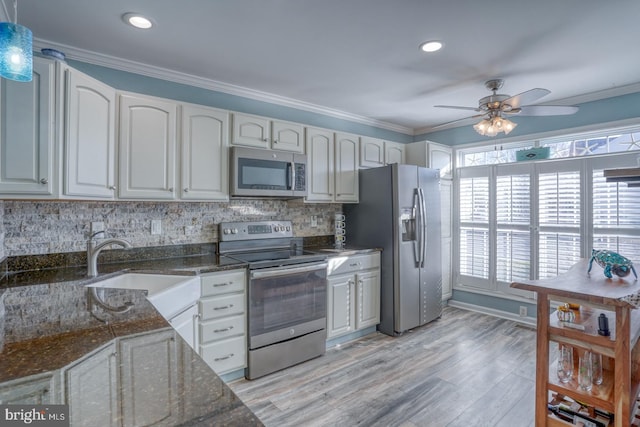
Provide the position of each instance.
(191, 80)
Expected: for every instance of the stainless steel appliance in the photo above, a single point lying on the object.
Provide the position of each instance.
(267, 173)
(399, 211)
(287, 294)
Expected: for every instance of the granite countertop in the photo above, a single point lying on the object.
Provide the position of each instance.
(56, 349)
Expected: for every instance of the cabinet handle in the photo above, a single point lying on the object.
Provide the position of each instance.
(217, 331)
(186, 190)
(355, 264)
(265, 139)
(170, 189)
(223, 307)
(113, 188)
(217, 359)
(275, 141)
(44, 181)
(218, 285)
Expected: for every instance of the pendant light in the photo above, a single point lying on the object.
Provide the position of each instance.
(16, 49)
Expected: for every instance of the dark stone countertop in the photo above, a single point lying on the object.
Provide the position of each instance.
(54, 349)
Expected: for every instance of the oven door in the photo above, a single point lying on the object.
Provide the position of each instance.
(286, 302)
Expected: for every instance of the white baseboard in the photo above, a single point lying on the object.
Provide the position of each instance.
(530, 321)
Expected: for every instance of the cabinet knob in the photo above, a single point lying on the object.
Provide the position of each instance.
(170, 189)
(186, 190)
(113, 188)
(44, 181)
(275, 141)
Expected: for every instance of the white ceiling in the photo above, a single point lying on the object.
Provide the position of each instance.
(361, 56)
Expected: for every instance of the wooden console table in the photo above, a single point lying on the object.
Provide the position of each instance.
(618, 299)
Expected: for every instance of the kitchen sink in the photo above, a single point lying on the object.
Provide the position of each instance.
(170, 294)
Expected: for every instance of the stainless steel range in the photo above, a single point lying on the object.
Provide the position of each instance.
(287, 294)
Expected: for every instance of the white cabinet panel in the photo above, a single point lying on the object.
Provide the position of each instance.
(251, 131)
(368, 294)
(92, 389)
(371, 152)
(287, 136)
(147, 148)
(320, 165)
(346, 168)
(394, 152)
(27, 117)
(204, 143)
(34, 390)
(89, 137)
(341, 315)
(149, 398)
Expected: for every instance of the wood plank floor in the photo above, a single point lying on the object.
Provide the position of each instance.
(465, 369)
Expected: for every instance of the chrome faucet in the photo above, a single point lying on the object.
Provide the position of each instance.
(93, 250)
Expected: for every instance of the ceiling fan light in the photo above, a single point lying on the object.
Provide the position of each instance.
(508, 126)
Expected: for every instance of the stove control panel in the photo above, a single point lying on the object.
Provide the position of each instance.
(230, 231)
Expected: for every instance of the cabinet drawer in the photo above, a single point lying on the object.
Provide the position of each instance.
(222, 283)
(225, 355)
(354, 263)
(226, 305)
(217, 329)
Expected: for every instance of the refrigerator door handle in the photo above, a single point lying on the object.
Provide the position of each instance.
(423, 227)
(417, 244)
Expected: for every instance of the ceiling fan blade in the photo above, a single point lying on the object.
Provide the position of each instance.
(547, 110)
(459, 121)
(527, 97)
(456, 107)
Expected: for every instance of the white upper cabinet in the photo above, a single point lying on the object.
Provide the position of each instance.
(346, 167)
(89, 166)
(260, 132)
(371, 152)
(27, 120)
(147, 148)
(287, 136)
(320, 187)
(393, 153)
(431, 155)
(204, 153)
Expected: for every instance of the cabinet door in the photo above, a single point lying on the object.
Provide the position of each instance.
(186, 324)
(27, 116)
(89, 137)
(320, 165)
(205, 136)
(368, 297)
(287, 136)
(341, 305)
(393, 153)
(346, 169)
(147, 148)
(371, 152)
(250, 131)
(148, 369)
(92, 389)
(440, 157)
(33, 390)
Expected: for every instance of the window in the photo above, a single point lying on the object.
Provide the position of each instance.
(530, 220)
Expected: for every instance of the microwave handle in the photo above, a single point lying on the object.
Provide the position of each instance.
(292, 176)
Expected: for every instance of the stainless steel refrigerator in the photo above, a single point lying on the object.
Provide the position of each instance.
(399, 211)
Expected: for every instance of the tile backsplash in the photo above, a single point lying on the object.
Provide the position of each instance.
(45, 227)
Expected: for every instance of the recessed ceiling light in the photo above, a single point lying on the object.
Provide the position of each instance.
(137, 20)
(431, 46)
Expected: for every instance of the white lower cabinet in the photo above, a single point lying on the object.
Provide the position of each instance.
(222, 342)
(34, 390)
(354, 293)
(92, 388)
(149, 380)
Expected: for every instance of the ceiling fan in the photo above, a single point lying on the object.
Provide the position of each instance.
(496, 108)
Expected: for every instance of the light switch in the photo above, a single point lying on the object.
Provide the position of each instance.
(156, 226)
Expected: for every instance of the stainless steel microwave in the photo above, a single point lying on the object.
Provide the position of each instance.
(267, 173)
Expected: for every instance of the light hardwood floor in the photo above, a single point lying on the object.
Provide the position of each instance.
(465, 369)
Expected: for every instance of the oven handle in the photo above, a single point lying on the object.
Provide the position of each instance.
(282, 271)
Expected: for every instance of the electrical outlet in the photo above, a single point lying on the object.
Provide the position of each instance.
(96, 227)
(314, 221)
(156, 226)
(523, 311)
